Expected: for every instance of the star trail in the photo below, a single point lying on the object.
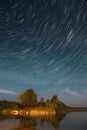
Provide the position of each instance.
(43, 45)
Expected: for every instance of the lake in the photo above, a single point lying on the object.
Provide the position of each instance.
(71, 121)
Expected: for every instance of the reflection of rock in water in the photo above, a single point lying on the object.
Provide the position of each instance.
(32, 123)
(26, 124)
(55, 121)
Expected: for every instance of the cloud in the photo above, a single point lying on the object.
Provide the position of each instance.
(4, 91)
(69, 92)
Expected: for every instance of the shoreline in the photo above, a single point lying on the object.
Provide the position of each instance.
(41, 112)
(31, 112)
(76, 109)
(36, 112)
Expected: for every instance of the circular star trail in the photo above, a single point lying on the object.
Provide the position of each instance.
(43, 45)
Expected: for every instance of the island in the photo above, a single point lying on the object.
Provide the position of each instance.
(28, 105)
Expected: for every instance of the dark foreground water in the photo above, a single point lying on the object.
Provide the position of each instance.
(71, 121)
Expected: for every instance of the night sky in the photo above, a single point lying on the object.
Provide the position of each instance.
(43, 46)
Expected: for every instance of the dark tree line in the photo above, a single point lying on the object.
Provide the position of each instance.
(9, 104)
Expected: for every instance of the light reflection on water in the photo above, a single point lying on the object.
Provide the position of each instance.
(72, 121)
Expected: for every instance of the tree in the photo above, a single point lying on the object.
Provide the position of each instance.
(28, 98)
(5, 104)
(42, 102)
(55, 99)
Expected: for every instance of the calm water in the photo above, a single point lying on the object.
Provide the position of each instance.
(72, 121)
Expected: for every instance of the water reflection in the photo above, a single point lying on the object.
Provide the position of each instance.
(33, 123)
(26, 124)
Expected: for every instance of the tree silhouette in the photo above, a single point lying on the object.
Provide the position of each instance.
(55, 99)
(42, 102)
(28, 98)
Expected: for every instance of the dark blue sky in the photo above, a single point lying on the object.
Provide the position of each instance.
(43, 45)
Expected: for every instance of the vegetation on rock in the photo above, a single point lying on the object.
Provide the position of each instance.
(28, 100)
